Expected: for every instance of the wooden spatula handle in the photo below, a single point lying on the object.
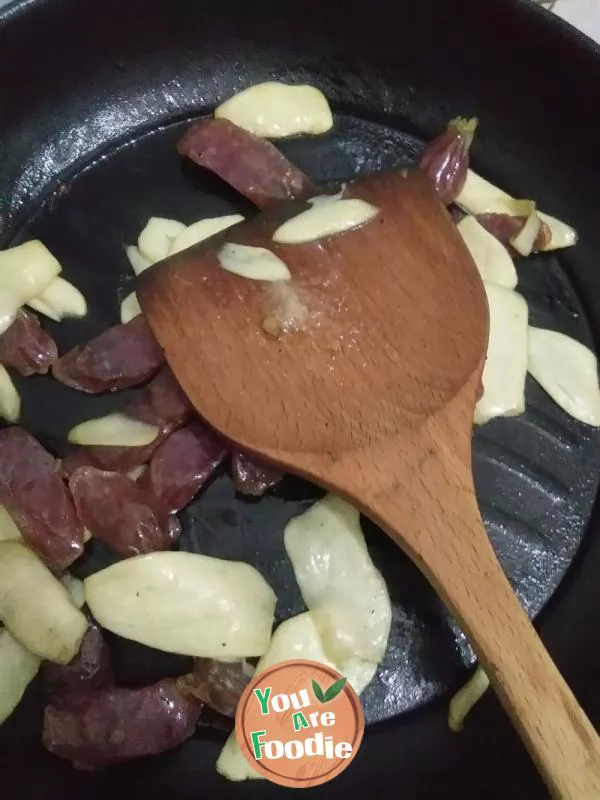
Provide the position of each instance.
(452, 548)
(554, 728)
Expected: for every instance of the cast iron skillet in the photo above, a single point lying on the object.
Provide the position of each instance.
(93, 98)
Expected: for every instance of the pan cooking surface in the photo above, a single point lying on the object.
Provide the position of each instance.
(536, 475)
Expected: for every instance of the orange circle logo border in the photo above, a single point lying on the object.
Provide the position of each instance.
(340, 716)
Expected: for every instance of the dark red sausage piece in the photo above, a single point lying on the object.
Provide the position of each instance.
(218, 684)
(119, 512)
(505, 227)
(34, 494)
(446, 158)
(26, 346)
(181, 465)
(110, 459)
(122, 356)
(252, 166)
(114, 725)
(68, 685)
(162, 403)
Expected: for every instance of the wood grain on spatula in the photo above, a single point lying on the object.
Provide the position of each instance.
(375, 401)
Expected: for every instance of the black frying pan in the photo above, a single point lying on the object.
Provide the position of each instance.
(93, 97)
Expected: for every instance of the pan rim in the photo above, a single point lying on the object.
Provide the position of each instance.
(18, 8)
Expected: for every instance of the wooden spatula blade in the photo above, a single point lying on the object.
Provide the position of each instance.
(381, 346)
(375, 400)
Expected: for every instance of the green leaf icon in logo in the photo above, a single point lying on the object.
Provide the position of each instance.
(318, 692)
(329, 694)
(334, 689)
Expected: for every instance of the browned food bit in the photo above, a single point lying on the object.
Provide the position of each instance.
(252, 166)
(114, 725)
(91, 670)
(162, 403)
(181, 465)
(118, 511)
(272, 326)
(122, 356)
(253, 476)
(27, 347)
(34, 494)
(446, 158)
(219, 684)
(505, 227)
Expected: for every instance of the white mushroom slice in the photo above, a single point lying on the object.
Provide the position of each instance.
(343, 590)
(505, 368)
(479, 196)
(296, 638)
(130, 308)
(255, 263)
(158, 236)
(185, 603)
(523, 241)
(114, 430)
(232, 765)
(75, 588)
(568, 371)
(10, 401)
(25, 272)
(59, 300)
(491, 258)
(36, 608)
(203, 229)
(42, 307)
(561, 234)
(18, 667)
(138, 262)
(277, 110)
(325, 219)
(466, 697)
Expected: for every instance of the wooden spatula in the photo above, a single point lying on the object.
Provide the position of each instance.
(375, 401)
